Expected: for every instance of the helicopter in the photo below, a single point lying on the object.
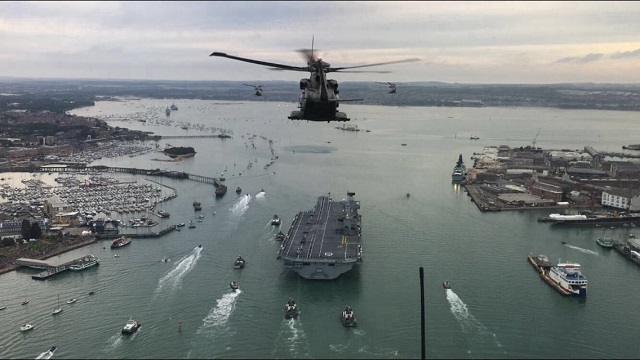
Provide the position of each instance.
(392, 87)
(258, 89)
(319, 100)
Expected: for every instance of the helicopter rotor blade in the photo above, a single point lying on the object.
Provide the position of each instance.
(258, 62)
(360, 72)
(377, 64)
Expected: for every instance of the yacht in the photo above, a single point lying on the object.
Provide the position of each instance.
(26, 327)
(58, 309)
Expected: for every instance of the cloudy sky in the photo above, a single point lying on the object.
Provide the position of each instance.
(464, 42)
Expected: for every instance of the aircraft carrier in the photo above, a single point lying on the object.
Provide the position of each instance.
(324, 242)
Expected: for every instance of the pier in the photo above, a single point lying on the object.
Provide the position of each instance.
(138, 235)
(73, 168)
(50, 267)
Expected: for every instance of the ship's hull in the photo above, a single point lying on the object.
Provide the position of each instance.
(619, 220)
(319, 270)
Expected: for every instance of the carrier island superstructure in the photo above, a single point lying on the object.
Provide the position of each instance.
(324, 242)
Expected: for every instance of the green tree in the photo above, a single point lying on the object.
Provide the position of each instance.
(36, 231)
(25, 230)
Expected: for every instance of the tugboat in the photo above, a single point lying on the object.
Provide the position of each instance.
(239, 263)
(291, 310)
(221, 190)
(234, 286)
(347, 318)
(275, 221)
(280, 236)
(131, 327)
(446, 285)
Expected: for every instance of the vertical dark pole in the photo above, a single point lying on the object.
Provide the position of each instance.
(422, 311)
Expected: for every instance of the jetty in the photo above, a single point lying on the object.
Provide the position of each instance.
(50, 268)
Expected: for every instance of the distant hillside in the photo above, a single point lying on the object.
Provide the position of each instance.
(64, 94)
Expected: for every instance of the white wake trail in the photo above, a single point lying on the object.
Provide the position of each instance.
(182, 268)
(586, 251)
(467, 321)
(241, 206)
(219, 315)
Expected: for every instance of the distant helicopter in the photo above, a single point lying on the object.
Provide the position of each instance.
(392, 87)
(258, 89)
(319, 99)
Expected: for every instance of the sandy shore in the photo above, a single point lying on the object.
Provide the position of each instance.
(57, 250)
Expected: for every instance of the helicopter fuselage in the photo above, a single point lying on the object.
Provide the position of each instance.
(319, 100)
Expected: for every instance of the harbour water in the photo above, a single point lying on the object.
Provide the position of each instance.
(498, 306)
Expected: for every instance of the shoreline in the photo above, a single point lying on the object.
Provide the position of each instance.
(65, 249)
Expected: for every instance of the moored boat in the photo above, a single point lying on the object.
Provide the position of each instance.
(85, 263)
(347, 318)
(120, 242)
(605, 242)
(291, 310)
(459, 171)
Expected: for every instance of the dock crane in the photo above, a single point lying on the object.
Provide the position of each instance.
(533, 142)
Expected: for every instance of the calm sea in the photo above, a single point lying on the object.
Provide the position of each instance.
(498, 306)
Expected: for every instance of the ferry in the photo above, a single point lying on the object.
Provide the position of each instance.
(120, 242)
(567, 278)
(605, 242)
(85, 263)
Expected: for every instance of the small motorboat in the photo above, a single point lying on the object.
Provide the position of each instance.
(71, 301)
(239, 263)
(116, 255)
(234, 286)
(130, 327)
(25, 302)
(26, 327)
(238, 190)
(92, 292)
(47, 354)
(563, 243)
(291, 309)
(347, 318)
(446, 285)
(3, 307)
(280, 236)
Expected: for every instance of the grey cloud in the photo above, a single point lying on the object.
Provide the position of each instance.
(581, 59)
(625, 54)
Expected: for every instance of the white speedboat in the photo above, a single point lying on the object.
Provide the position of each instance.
(71, 301)
(26, 327)
(131, 327)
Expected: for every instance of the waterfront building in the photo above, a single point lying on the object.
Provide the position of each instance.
(621, 199)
